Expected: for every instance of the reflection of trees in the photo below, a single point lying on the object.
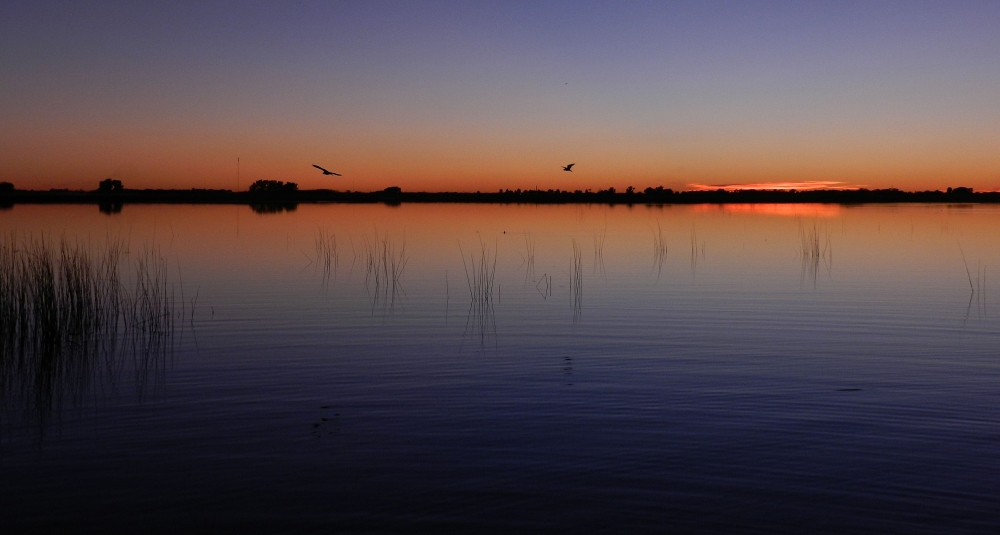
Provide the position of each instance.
(77, 322)
(273, 207)
(110, 207)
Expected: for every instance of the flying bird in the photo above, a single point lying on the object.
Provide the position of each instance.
(569, 167)
(325, 172)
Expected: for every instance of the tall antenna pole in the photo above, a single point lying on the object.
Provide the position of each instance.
(237, 191)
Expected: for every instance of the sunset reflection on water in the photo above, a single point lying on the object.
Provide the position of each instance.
(454, 357)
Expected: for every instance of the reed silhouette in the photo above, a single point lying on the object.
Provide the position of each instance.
(977, 291)
(327, 257)
(980, 292)
(480, 277)
(544, 286)
(76, 320)
(529, 258)
(384, 261)
(599, 251)
(576, 282)
(697, 251)
(815, 252)
(659, 251)
(972, 289)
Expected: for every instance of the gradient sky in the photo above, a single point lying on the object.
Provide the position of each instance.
(482, 95)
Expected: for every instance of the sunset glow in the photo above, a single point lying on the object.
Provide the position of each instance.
(810, 210)
(776, 186)
(484, 96)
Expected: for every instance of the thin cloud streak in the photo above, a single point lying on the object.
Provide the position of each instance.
(778, 186)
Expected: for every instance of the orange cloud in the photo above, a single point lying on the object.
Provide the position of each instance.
(781, 186)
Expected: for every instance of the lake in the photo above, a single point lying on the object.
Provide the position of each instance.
(516, 368)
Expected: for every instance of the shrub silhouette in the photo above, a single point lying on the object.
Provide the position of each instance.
(6, 187)
(273, 186)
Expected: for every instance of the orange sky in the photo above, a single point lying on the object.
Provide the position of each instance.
(683, 95)
(433, 164)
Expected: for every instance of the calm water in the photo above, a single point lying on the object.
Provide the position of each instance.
(771, 369)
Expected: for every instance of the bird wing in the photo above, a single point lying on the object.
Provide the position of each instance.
(320, 168)
(570, 166)
(336, 174)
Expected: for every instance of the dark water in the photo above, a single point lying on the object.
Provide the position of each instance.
(789, 369)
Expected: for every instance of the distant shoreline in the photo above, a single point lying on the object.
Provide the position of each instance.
(393, 196)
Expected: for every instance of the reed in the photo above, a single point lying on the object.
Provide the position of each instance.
(544, 286)
(981, 290)
(576, 281)
(697, 249)
(529, 259)
(149, 314)
(327, 258)
(71, 314)
(977, 291)
(384, 261)
(659, 250)
(815, 251)
(694, 246)
(599, 251)
(480, 277)
(972, 289)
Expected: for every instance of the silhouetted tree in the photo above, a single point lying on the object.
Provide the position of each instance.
(658, 190)
(6, 187)
(273, 186)
(107, 186)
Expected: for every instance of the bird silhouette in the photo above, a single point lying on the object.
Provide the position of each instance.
(325, 172)
(569, 167)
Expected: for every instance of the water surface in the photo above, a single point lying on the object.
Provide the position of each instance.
(741, 368)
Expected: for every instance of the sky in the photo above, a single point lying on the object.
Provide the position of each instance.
(478, 96)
